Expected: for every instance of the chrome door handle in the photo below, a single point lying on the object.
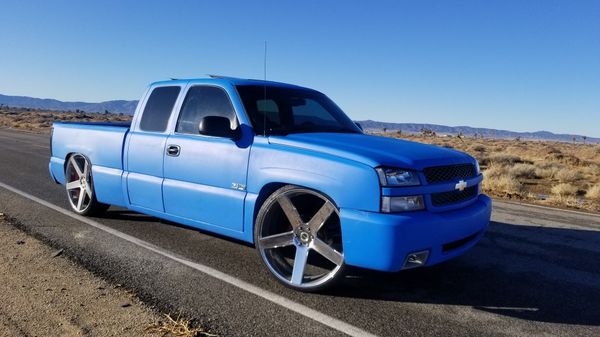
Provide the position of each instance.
(173, 150)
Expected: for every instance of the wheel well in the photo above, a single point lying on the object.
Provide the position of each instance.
(269, 188)
(264, 193)
(67, 160)
(69, 155)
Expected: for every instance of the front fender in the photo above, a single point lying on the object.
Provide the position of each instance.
(349, 183)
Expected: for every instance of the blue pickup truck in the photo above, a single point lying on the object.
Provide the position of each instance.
(279, 166)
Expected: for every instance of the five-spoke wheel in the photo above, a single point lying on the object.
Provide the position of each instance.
(80, 187)
(298, 236)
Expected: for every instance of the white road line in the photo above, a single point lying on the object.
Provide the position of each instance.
(301, 309)
(511, 308)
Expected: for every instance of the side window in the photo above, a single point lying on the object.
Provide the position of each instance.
(202, 101)
(271, 109)
(158, 109)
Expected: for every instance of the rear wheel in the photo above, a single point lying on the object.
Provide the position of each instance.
(80, 186)
(298, 236)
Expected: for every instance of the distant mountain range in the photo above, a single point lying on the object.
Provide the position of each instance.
(118, 106)
(468, 131)
(128, 107)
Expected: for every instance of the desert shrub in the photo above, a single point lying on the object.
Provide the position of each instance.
(523, 171)
(568, 159)
(547, 173)
(553, 150)
(568, 175)
(564, 190)
(547, 170)
(496, 171)
(478, 148)
(502, 185)
(501, 159)
(590, 170)
(593, 193)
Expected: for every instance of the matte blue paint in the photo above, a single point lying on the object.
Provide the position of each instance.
(375, 150)
(347, 182)
(106, 181)
(100, 143)
(382, 241)
(145, 169)
(201, 186)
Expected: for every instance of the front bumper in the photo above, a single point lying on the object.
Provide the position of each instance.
(383, 241)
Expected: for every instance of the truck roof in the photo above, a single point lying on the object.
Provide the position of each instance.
(217, 79)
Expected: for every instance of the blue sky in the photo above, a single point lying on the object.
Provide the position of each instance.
(518, 65)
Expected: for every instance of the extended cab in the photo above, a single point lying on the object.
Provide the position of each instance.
(279, 166)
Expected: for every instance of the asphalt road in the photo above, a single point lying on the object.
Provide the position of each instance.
(536, 272)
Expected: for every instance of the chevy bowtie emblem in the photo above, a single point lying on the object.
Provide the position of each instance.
(461, 185)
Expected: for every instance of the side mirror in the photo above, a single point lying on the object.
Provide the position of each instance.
(217, 126)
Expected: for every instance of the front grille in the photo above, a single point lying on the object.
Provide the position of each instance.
(453, 197)
(438, 174)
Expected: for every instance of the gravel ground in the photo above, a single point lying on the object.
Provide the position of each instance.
(44, 294)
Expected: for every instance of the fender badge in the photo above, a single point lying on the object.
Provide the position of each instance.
(238, 186)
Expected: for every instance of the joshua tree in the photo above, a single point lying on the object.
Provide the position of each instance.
(384, 130)
(584, 139)
(427, 132)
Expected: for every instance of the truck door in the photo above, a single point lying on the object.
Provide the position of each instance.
(146, 147)
(205, 176)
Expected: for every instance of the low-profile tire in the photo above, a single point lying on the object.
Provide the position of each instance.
(298, 237)
(80, 187)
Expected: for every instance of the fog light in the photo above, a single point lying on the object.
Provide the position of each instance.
(402, 204)
(416, 259)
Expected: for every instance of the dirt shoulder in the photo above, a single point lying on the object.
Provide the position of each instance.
(44, 294)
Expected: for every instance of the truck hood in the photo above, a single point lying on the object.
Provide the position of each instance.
(375, 150)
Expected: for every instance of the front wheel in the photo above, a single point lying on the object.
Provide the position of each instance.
(298, 236)
(80, 186)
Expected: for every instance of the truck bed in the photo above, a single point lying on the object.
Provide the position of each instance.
(102, 143)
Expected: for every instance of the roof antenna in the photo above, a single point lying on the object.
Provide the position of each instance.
(265, 92)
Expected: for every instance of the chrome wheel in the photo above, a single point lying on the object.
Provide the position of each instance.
(298, 235)
(80, 187)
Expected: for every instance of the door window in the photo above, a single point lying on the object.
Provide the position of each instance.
(202, 101)
(158, 109)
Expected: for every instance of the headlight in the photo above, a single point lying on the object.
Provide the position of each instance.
(397, 177)
(402, 204)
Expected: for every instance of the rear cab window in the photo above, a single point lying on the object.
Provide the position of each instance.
(158, 108)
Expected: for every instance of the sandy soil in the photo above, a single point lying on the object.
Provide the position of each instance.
(46, 295)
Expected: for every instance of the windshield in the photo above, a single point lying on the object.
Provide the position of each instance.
(289, 110)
